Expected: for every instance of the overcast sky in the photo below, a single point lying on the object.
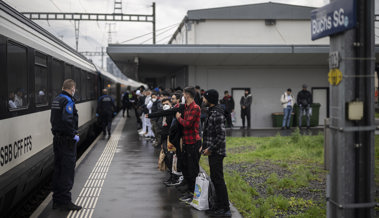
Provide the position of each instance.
(94, 35)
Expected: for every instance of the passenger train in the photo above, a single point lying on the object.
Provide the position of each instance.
(33, 66)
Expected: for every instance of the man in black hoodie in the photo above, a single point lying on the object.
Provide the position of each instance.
(304, 100)
(246, 102)
(214, 146)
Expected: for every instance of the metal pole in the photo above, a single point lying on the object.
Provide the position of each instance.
(102, 57)
(351, 185)
(154, 33)
(76, 23)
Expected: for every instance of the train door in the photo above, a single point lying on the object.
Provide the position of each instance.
(237, 94)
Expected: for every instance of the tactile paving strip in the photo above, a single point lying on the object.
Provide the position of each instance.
(92, 188)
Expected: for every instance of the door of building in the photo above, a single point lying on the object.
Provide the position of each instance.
(321, 95)
(237, 93)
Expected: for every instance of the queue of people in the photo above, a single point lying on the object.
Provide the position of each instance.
(177, 116)
(184, 124)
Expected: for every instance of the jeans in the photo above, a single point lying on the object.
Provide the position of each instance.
(64, 168)
(246, 113)
(287, 116)
(304, 111)
(191, 158)
(217, 177)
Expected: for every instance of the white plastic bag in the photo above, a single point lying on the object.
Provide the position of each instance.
(200, 196)
(233, 115)
(174, 168)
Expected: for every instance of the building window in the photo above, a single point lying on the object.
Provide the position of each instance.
(41, 80)
(57, 77)
(17, 76)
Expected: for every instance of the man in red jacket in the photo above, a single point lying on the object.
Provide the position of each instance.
(191, 141)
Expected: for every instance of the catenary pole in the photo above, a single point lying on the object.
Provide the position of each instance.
(350, 185)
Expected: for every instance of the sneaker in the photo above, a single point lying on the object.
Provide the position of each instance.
(220, 213)
(142, 133)
(176, 182)
(186, 197)
(209, 211)
(69, 206)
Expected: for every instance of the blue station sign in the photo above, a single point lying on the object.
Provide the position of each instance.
(338, 16)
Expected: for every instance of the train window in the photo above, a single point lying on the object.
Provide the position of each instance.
(83, 83)
(89, 86)
(78, 85)
(93, 86)
(41, 80)
(68, 72)
(40, 59)
(57, 77)
(17, 76)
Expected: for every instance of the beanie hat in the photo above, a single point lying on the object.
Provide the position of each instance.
(211, 96)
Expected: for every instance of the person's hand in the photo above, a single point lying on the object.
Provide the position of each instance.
(147, 115)
(97, 114)
(76, 138)
(200, 149)
(178, 115)
(243, 107)
(207, 152)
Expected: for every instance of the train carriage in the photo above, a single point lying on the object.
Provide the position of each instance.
(33, 66)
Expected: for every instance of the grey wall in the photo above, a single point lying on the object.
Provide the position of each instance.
(267, 85)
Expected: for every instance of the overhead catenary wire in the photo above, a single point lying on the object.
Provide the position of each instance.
(146, 34)
(157, 35)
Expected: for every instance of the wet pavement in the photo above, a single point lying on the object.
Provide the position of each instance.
(119, 178)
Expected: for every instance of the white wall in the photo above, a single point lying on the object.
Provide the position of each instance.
(267, 85)
(284, 32)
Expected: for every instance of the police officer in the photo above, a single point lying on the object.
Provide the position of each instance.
(64, 122)
(105, 109)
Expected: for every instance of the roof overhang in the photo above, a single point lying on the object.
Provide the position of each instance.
(172, 56)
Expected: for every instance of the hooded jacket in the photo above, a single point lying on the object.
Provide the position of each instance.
(214, 131)
(304, 98)
(246, 101)
(284, 100)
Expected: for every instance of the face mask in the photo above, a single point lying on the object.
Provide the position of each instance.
(166, 107)
(154, 99)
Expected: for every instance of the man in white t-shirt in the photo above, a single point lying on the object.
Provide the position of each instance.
(287, 101)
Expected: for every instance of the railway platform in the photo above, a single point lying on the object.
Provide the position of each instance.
(119, 178)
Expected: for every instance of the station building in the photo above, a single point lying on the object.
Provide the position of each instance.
(266, 48)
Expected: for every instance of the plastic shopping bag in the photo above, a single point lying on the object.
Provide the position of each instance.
(161, 164)
(174, 169)
(200, 196)
(233, 115)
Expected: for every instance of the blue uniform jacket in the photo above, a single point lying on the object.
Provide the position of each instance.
(105, 105)
(64, 116)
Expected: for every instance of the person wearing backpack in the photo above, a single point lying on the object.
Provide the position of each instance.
(304, 100)
(214, 144)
